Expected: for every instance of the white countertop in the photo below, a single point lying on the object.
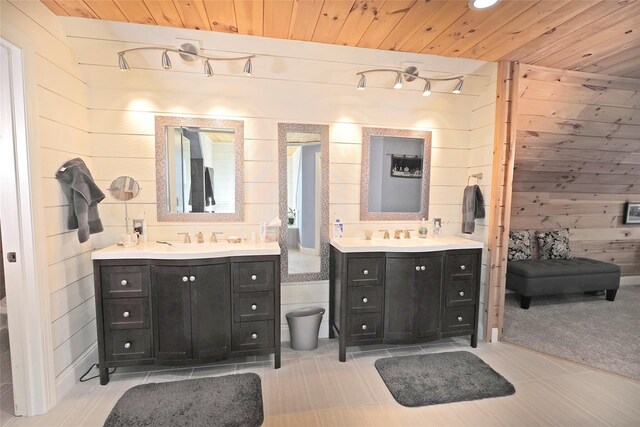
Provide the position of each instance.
(430, 244)
(153, 250)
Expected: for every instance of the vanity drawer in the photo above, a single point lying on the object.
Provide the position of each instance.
(461, 267)
(460, 293)
(125, 281)
(365, 299)
(365, 271)
(126, 313)
(253, 335)
(459, 318)
(128, 344)
(364, 326)
(253, 276)
(252, 306)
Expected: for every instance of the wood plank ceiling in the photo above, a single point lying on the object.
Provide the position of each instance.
(598, 36)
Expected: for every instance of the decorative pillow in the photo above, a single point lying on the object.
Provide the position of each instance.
(519, 245)
(554, 244)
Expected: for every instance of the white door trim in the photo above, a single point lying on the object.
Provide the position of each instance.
(21, 213)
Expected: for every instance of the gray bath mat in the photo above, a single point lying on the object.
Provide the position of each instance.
(231, 400)
(430, 379)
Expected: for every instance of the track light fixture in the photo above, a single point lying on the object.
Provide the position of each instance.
(188, 52)
(408, 75)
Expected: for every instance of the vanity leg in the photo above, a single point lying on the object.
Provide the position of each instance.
(474, 340)
(104, 374)
(342, 355)
(276, 358)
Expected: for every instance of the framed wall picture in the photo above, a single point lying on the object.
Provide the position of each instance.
(632, 213)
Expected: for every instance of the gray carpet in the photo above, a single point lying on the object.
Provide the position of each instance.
(585, 329)
(231, 400)
(430, 379)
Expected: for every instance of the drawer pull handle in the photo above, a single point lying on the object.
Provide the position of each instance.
(417, 268)
(192, 278)
(463, 267)
(364, 327)
(459, 318)
(185, 279)
(365, 272)
(254, 336)
(423, 268)
(126, 314)
(127, 345)
(123, 282)
(254, 307)
(461, 293)
(254, 277)
(365, 300)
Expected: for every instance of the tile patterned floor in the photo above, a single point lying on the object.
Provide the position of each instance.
(314, 389)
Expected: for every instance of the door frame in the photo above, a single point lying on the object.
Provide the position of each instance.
(27, 288)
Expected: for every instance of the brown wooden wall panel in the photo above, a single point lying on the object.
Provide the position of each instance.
(577, 161)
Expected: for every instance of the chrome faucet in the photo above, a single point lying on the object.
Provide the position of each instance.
(214, 239)
(187, 238)
(396, 234)
(407, 235)
(386, 234)
(199, 237)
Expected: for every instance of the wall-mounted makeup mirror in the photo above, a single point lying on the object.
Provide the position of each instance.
(396, 167)
(199, 169)
(303, 161)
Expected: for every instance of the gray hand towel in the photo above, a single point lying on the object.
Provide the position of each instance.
(472, 208)
(83, 195)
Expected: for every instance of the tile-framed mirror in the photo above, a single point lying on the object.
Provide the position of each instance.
(303, 164)
(199, 169)
(395, 177)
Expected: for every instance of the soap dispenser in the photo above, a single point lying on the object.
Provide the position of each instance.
(422, 231)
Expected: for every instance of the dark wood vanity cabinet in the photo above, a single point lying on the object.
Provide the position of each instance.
(403, 297)
(186, 312)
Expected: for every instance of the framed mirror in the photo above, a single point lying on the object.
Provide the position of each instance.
(303, 162)
(396, 166)
(199, 169)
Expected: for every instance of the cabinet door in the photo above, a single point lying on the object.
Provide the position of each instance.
(427, 296)
(171, 312)
(211, 310)
(400, 279)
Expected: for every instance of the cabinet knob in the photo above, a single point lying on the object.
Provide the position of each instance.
(254, 307)
(461, 293)
(126, 314)
(185, 279)
(459, 318)
(365, 272)
(124, 282)
(192, 278)
(423, 268)
(365, 300)
(127, 345)
(254, 277)
(417, 268)
(364, 327)
(254, 336)
(463, 267)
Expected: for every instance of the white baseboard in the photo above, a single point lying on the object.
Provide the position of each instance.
(629, 280)
(71, 376)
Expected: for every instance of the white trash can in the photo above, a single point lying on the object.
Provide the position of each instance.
(304, 326)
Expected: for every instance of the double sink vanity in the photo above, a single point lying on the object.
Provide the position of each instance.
(202, 302)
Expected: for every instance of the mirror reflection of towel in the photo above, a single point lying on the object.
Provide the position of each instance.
(209, 199)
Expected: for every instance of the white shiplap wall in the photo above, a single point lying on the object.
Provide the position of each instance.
(62, 125)
(293, 82)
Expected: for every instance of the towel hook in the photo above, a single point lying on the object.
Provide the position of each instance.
(478, 176)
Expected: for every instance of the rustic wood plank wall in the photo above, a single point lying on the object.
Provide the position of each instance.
(577, 161)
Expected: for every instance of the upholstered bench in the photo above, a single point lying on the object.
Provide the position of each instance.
(531, 277)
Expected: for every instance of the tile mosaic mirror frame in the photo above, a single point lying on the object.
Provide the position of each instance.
(319, 134)
(216, 174)
(405, 169)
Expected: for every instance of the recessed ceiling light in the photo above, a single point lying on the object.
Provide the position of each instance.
(482, 4)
